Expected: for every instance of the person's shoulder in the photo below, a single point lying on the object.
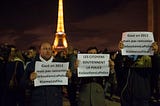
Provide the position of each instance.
(146, 57)
(32, 62)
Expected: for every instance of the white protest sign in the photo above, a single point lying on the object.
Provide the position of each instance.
(137, 43)
(93, 65)
(53, 73)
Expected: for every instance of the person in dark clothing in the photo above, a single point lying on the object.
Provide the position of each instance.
(91, 92)
(60, 56)
(4, 53)
(155, 76)
(136, 89)
(112, 78)
(50, 95)
(72, 83)
(29, 57)
(14, 70)
(120, 67)
(2, 80)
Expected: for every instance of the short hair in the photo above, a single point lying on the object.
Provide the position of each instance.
(105, 51)
(32, 48)
(90, 48)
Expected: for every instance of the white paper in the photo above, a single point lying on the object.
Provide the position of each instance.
(93, 65)
(137, 43)
(53, 73)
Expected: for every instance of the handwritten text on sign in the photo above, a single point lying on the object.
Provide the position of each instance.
(137, 43)
(93, 65)
(53, 73)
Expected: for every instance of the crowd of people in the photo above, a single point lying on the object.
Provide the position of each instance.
(135, 79)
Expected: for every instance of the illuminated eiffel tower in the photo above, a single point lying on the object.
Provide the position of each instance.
(60, 42)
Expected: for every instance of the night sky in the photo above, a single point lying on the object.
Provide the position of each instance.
(87, 22)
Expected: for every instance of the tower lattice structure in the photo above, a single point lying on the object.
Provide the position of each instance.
(60, 41)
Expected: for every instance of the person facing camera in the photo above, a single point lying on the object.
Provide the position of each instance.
(48, 95)
(91, 92)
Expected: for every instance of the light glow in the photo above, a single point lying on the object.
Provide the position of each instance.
(60, 41)
(60, 27)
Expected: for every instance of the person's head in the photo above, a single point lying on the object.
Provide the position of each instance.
(32, 52)
(12, 51)
(60, 54)
(18, 54)
(105, 51)
(45, 50)
(75, 51)
(69, 49)
(92, 50)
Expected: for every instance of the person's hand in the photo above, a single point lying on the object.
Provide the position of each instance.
(155, 47)
(69, 73)
(33, 76)
(120, 45)
(76, 63)
(111, 64)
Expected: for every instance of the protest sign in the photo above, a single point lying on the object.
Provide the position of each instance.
(93, 65)
(137, 43)
(53, 73)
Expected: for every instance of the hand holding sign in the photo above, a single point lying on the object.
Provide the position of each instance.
(76, 63)
(136, 43)
(33, 76)
(91, 65)
(53, 73)
(120, 45)
(69, 73)
(155, 47)
(111, 64)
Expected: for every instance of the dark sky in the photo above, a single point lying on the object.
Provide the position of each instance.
(87, 22)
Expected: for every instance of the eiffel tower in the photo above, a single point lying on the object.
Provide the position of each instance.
(60, 41)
